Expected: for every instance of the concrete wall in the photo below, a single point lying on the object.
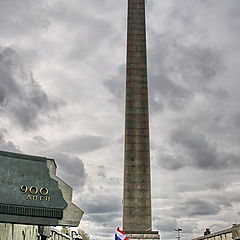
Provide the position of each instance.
(18, 232)
(26, 232)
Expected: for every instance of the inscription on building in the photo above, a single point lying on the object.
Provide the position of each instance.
(25, 198)
(36, 193)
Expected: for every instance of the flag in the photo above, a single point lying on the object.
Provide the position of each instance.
(120, 235)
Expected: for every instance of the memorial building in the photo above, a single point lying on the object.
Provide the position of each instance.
(32, 194)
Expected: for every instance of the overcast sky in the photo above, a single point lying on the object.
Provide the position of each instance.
(62, 77)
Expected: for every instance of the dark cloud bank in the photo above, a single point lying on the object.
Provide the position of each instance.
(71, 169)
(194, 149)
(21, 98)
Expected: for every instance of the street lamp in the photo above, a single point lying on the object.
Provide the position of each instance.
(178, 233)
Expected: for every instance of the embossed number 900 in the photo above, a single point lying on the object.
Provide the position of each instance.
(34, 190)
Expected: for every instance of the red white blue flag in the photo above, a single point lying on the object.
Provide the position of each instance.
(120, 235)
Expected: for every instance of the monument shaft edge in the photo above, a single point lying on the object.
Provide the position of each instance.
(137, 215)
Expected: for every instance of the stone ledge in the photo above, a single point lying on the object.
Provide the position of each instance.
(145, 236)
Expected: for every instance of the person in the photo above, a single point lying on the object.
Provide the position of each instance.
(207, 231)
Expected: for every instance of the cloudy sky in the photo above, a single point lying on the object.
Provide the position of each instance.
(62, 77)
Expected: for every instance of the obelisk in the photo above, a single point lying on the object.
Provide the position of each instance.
(137, 216)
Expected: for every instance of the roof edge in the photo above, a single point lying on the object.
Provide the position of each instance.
(24, 156)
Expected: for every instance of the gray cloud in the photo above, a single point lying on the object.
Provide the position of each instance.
(71, 169)
(204, 184)
(30, 18)
(200, 150)
(5, 144)
(178, 72)
(194, 149)
(165, 223)
(170, 161)
(39, 139)
(21, 98)
(223, 200)
(165, 92)
(198, 65)
(101, 171)
(115, 85)
(196, 207)
(234, 197)
(102, 204)
(105, 219)
(83, 144)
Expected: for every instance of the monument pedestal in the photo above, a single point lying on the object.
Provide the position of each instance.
(143, 235)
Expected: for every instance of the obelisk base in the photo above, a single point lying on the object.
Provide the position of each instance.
(143, 235)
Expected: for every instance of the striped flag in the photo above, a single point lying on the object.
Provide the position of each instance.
(120, 235)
